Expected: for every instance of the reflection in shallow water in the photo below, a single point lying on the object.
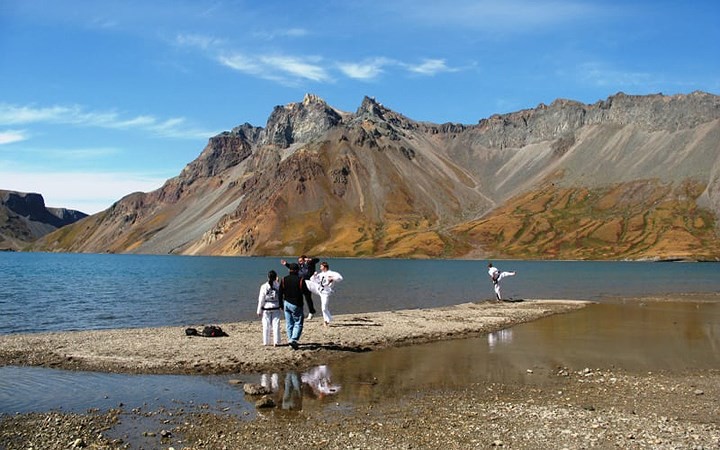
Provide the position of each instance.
(503, 336)
(636, 337)
(319, 380)
(292, 396)
(660, 336)
(315, 383)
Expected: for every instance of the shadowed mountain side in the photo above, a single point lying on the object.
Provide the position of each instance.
(24, 218)
(618, 174)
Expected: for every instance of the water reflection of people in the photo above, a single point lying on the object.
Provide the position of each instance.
(292, 396)
(501, 336)
(319, 380)
(270, 382)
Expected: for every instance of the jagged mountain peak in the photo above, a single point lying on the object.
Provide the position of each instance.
(374, 183)
(299, 122)
(371, 107)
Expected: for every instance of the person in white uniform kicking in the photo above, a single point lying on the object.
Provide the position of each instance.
(496, 276)
(323, 284)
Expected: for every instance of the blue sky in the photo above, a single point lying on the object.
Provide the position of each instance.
(101, 98)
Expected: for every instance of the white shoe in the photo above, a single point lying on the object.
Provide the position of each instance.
(309, 317)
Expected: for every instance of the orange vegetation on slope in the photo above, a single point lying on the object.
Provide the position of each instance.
(636, 220)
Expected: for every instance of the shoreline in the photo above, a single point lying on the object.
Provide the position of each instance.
(167, 350)
(599, 407)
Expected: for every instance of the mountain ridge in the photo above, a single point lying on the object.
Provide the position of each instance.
(376, 183)
(24, 218)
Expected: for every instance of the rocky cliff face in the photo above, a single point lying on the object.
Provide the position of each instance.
(627, 177)
(24, 218)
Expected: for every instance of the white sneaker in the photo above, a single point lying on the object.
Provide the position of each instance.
(309, 317)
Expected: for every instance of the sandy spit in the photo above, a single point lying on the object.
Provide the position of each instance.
(167, 350)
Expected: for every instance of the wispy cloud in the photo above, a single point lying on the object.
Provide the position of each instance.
(297, 67)
(430, 67)
(291, 69)
(279, 34)
(278, 68)
(10, 136)
(76, 115)
(365, 70)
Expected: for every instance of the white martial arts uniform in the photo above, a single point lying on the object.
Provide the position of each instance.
(269, 309)
(496, 276)
(321, 285)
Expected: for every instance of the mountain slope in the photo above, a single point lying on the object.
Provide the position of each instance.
(24, 218)
(375, 183)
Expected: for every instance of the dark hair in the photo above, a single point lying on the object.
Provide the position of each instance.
(324, 263)
(272, 276)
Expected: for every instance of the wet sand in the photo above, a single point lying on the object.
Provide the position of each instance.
(604, 407)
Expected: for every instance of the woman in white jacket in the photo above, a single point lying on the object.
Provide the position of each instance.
(269, 309)
(323, 284)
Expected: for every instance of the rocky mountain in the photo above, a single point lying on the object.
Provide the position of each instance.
(629, 177)
(24, 218)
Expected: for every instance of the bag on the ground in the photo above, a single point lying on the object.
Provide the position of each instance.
(191, 332)
(212, 331)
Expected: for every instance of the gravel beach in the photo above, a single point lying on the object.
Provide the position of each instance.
(602, 407)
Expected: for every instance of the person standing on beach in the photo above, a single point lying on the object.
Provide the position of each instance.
(496, 275)
(306, 269)
(323, 283)
(291, 297)
(268, 309)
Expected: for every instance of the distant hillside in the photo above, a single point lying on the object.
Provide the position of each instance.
(629, 177)
(24, 218)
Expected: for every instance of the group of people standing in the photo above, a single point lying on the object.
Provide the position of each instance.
(286, 296)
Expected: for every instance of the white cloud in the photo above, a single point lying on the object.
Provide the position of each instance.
(276, 34)
(297, 67)
(78, 116)
(86, 192)
(10, 136)
(277, 68)
(366, 70)
(430, 67)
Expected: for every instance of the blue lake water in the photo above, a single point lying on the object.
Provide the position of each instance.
(53, 292)
(50, 292)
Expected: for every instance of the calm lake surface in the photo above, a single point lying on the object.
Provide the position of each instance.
(54, 292)
(41, 292)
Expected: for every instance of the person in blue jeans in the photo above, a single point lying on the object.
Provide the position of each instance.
(291, 291)
(306, 269)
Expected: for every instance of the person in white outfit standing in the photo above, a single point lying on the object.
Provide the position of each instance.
(323, 284)
(496, 276)
(269, 309)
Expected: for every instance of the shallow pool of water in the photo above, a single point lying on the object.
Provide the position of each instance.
(663, 336)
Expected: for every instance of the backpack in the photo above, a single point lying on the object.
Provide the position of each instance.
(212, 331)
